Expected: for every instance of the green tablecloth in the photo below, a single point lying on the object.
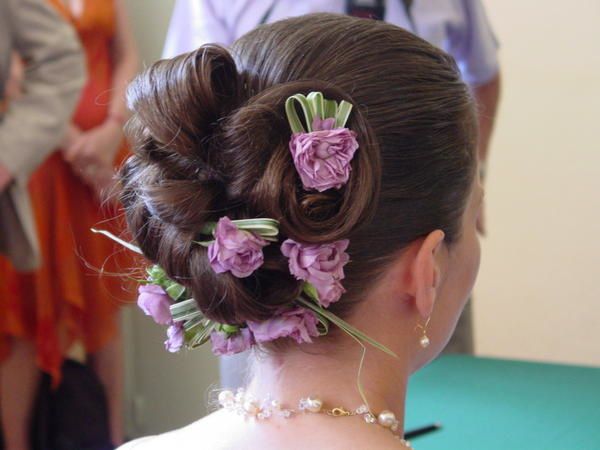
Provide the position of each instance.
(493, 404)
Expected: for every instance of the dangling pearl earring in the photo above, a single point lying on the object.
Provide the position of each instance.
(424, 341)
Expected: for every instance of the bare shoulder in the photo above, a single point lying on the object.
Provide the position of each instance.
(376, 441)
(165, 441)
(381, 443)
(180, 438)
(203, 434)
(138, 444)
(223, 431)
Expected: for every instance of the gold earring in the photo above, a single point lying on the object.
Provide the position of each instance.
(424, 341)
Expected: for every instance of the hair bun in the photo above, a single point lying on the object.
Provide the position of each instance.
(181, 101)
(199, 157)
(177, 105)
(263, 174)
(212, 140)
(185, 173)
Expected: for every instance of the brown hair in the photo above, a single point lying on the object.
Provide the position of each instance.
(211, 139)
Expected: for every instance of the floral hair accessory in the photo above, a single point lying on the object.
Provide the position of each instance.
(234, 250)
(299, 324)
(305, 319)
(229, 343)
(322, 266)
(238, 244)
(323, 152)
(175, 337)
(155, 302)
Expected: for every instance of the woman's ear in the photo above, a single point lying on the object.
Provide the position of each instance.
(426, 272)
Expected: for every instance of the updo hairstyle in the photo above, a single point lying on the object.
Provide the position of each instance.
(210, 139)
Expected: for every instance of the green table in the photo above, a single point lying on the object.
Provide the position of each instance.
(493, 404)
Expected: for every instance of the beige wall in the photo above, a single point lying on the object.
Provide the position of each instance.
(538, 295)
(150, 19)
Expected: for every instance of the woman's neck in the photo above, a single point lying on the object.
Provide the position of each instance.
(332, 376)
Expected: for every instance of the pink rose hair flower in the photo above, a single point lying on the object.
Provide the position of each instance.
(320, 265)
(299, 324)
(175, 337)
(155, 302)
(322, 157)
(230, 344)
(234, 250)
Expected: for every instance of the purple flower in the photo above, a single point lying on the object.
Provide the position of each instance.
(322, 157)
(226, 344)
(299, 324)
(234, 250)
(175, 337)
(323, 124)
(320, 265)
(155, 302)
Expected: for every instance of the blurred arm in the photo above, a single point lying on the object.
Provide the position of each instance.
(487, 96)
(194, 23)
(55, 72)
(126, 63)
(475, 47)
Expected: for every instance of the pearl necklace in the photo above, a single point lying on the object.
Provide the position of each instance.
(249, 407)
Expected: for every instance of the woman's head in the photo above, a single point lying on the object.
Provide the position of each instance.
(211, 139)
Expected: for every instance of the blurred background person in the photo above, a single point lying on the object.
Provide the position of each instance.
(35, 122)
(63, 303)
(31, 125)
(459, 27)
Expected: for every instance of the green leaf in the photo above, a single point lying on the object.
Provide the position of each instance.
(130, 246)
(196, 323)
(323, 325)
(201, 334)
(265, 227)
(175, 290)
(197, 331)
(330, 109)
(188, 315)
(204, 243)
(316, 102)
(292, 116)
(314, 105)
(156, 274)
(311, 291)
(346, 327)
(343, 113)
(185, 310)
(229, 329)
(208, 228)
(293, 119)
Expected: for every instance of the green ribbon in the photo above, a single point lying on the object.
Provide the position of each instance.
(345, 326)
(156, 275)
(266, 228)
(197, 332)
(315, 106)
(185, 310)
(125, 244)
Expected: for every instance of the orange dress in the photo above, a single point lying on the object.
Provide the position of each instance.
(67, 298)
